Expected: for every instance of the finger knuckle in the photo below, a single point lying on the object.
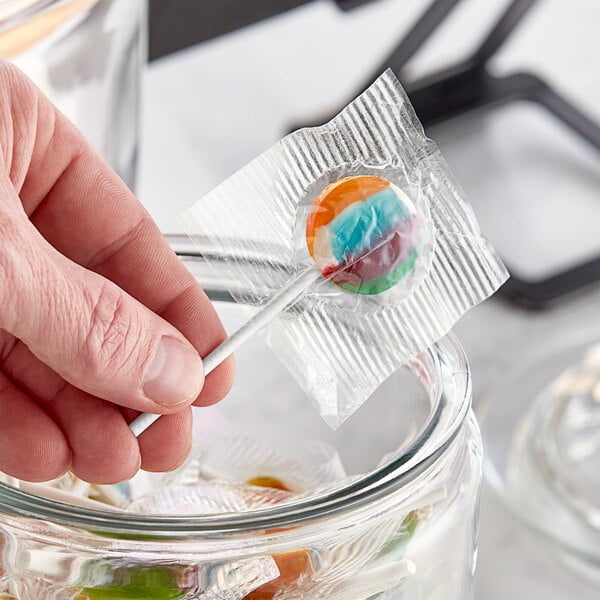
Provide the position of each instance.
(112, 333)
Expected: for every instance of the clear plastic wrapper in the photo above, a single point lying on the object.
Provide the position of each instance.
(359, 565)
(214, 497)
(235, 581)
(114, 579)
(388, 282)
(61, 577)
(222, 452)
(207, 499)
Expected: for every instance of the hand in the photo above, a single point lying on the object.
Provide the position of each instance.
(99, 320)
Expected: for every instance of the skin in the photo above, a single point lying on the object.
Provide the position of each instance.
(88, 289)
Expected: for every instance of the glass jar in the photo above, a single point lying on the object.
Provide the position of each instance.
(541, 427)
(402, 523)
(86, 56)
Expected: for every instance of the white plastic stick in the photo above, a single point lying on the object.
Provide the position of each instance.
(280, 301)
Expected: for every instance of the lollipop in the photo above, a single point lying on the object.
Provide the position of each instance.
(361, 233)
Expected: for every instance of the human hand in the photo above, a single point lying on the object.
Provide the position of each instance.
(95, 310)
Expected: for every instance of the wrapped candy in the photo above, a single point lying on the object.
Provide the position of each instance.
(363, 222)
(362, 234)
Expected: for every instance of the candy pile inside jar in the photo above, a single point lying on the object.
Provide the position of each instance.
(230, 472)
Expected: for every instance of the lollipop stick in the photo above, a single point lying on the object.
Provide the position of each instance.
(279, 302)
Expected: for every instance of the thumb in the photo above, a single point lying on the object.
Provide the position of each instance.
(91, 332)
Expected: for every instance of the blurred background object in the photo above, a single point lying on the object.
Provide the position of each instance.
(541, 423)
(177, 25)
(86, 55)
(182, 23)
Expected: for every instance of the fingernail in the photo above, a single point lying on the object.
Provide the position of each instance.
(175, 374)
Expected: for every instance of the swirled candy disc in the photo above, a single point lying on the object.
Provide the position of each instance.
(362, 234)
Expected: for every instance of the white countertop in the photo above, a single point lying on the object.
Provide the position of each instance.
(210, 109)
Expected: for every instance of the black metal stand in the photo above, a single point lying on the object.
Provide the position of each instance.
(468, 86)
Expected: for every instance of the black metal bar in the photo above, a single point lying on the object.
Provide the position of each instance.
(461, 88)
(425, 25)
(417, 35)
(502, 29)
(570, 115)
(350, 4)
(541, 294)
(465, 88)
(468, 87)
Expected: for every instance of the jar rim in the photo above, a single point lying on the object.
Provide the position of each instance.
(424, 451)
